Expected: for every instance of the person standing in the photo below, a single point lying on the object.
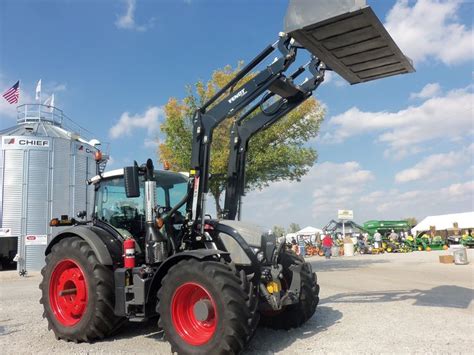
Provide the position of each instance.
(327, 244)
(294, 246)
(302, 245)
(393, 236)
(378, 239)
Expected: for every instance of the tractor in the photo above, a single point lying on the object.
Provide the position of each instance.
(150, 250)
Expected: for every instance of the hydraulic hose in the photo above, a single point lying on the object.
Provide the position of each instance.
(175, 208)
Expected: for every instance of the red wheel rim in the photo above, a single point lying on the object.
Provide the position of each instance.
(195, 329)
(68, 292)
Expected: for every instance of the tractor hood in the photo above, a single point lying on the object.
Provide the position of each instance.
(348, 37)
(252, 233)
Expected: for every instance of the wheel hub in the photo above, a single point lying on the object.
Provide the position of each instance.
(203, 310)
(194, 314)
(68, 292)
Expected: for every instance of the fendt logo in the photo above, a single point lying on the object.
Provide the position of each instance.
(241, 93)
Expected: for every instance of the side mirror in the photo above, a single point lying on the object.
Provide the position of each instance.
(130, 177)
(81, 214)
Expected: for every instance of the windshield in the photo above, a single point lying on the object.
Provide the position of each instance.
(128, 214)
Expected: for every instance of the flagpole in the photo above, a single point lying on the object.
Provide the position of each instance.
(38, 97)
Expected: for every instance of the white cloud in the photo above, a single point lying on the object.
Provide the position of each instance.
(430, 29)
(151, 142)
(58, 88)
(460, 190)
(150, 120)
(326, 188)
(127, 20)
(444, 117)
(428, 91)
(110, 161)
(337, 185)
(436, 165)
(456, 197)
(331, 186)
(328, 77)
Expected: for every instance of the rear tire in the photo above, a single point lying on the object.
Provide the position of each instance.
(295, 315)
(77, 293)
(230, 316)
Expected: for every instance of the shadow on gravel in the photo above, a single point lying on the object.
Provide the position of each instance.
(447, 296)
(268, 341)
(337, 264)
(265, 340)
(128, 330)
(6, 330)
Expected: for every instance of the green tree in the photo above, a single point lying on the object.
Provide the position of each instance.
(278, 231)
(278, 153)
(294, 227)
(411, 221)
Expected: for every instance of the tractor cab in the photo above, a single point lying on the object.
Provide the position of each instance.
(127, 214)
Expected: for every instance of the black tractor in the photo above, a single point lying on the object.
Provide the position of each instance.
(150, 250)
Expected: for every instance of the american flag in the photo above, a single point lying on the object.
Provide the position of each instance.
(12, 94)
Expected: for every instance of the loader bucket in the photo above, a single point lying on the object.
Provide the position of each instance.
(348, 37)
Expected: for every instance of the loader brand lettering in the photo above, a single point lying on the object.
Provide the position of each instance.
(241, 93)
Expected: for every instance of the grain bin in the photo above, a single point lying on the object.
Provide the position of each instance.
(45, 161)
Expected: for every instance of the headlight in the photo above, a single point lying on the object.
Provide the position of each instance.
(260, 256)
(456, 239)
(255, 250)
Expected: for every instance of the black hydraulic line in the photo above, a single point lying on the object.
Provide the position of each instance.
(245, 70)
(269, 95)
(298, 72)
(171, 212)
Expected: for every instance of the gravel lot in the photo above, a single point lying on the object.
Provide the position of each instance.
(391, 303)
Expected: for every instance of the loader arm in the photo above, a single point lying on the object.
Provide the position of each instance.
(208, 117)
(245, 128)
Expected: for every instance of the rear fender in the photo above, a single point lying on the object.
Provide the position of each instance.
(107, 247)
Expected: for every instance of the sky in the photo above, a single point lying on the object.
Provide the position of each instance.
(388, 149)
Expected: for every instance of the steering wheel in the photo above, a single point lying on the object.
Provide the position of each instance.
(162, 209)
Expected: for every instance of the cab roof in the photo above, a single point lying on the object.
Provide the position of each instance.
(119, 172)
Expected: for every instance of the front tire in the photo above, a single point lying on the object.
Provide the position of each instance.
(295, 315)
(206, 308)
(77, 293)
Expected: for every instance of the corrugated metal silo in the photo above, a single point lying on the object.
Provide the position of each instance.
(45, 161)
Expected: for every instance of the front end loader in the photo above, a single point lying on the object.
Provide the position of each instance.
(150, 249)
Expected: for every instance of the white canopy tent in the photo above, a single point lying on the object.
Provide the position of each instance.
(445, 222)
(309, 233)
